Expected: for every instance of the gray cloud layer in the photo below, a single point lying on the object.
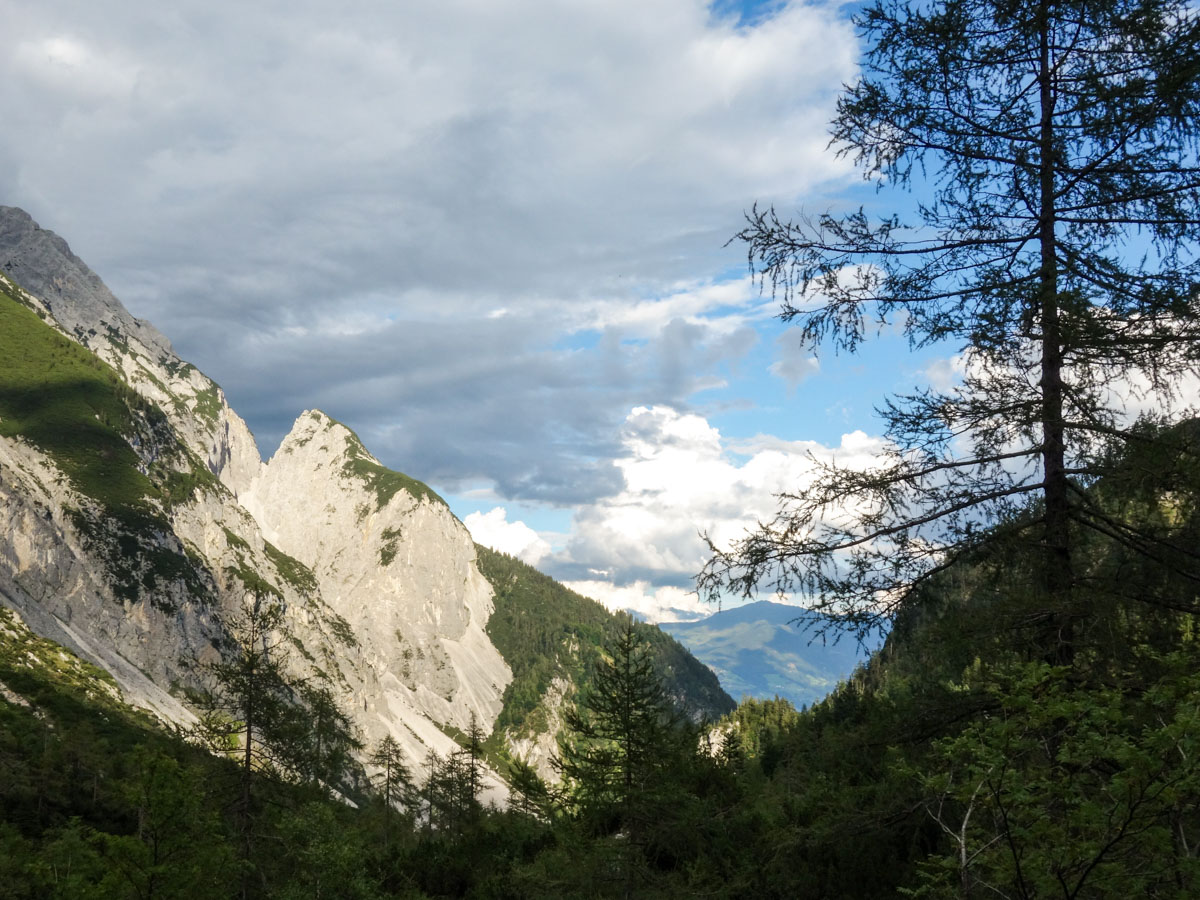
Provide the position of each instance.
(433, 220)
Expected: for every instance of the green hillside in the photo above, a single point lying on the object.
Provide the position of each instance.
(70, 404)
(544, 630)
(99, 801)
(766, 650)
(963, 738)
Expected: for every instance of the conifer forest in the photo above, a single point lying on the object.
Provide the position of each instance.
(1028, 549)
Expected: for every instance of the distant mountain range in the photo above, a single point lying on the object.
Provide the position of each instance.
(765, 649)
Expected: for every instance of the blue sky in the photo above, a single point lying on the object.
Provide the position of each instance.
(489, 235)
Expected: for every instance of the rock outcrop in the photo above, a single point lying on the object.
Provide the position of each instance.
(394, 562)
(82, 307)
(377, 577)
(51, 578)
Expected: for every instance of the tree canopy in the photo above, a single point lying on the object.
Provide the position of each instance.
(1051, 148)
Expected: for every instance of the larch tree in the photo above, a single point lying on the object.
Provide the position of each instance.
(394, 781)
(1052, 245)
(327, 742)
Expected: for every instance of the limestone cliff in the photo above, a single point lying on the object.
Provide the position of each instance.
(394, 562)
(139, 524)
(82, 307)
(52, 579)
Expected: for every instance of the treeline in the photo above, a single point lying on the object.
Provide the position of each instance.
(546, 631)
(1012, 777)
(99, 803)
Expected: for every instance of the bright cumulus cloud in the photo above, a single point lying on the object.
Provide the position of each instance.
(639, 549)
(492, 529)
(644, 600)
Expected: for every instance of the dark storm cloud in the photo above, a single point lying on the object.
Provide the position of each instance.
(461, 402)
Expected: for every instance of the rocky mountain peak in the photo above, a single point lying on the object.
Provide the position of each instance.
(393, 561)
(82, 307)
(42, 263)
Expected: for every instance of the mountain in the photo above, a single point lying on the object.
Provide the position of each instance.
(555, 637)
(764, 650)
(140, 520)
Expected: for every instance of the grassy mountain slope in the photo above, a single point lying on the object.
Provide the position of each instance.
(546, 631)
(63, 399)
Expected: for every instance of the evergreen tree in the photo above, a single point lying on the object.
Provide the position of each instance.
(394, 782)
(472, 756)
(326, 860)
(178, 850)
(1056, 250)
(327, 741)
(431, 793)
(532, 795)
(625, 755)
(250, 715)
(451, 805)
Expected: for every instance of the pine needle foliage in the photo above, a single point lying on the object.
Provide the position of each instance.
(1052, 246)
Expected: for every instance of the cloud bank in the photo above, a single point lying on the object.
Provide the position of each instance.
(640, 547)
(480, 232)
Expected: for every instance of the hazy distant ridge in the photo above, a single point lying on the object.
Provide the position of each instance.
(761, 650)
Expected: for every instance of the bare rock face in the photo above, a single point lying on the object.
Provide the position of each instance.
(376, 576)
(539, 749)
(394, 562)
(50, 575)
(42, 263)
(84, 309)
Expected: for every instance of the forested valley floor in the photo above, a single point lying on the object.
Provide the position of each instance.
(964, 760)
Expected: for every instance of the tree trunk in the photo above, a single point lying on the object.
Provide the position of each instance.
(1058, 576)
(247, 774)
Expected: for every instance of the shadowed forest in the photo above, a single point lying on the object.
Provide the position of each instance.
(1028, 543)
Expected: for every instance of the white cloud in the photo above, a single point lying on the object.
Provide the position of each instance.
(680, 479)
(483, 136)
(71, 68)
(945, 374)
(722, 305)
(450, 224)
(649, 603)
(492, 529)
(795, 363)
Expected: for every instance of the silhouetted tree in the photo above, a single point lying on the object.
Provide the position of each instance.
(624, 755)
(327, 742)
(394, 781)
(250, 714)
(1055, 249)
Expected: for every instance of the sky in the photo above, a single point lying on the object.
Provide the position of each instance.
(491, 236)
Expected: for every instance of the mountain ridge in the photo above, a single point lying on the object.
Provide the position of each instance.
(382, 594)
(765, 649)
